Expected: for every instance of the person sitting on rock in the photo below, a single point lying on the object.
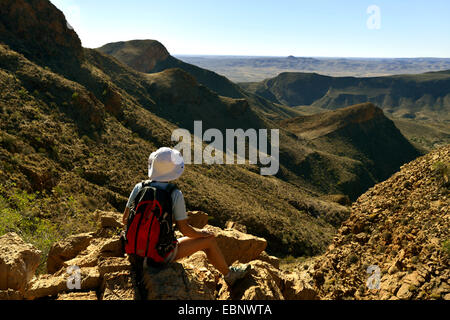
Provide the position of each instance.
(166, 165)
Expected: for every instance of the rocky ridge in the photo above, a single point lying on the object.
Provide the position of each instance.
(401, 228)
(39, 31)
(104, 271)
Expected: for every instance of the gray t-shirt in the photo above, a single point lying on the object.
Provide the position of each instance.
(178, 205)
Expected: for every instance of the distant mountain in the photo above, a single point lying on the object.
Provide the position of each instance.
(362, 135)
(419, 96)
(150, 56)
(254, 69)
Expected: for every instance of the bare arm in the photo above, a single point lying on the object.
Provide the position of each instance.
(187, 230)
(126, 213)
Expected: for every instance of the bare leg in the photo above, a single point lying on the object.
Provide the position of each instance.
(188, 246)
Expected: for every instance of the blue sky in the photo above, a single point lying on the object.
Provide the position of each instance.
(329, 28)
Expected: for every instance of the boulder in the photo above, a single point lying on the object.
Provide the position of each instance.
(113, 264)
(235, 225)
(99, 247)
(46, 285)
(66, 249)
(89, 256)
(51, 285)
(404, 292)
(274, 261)
(112, 248)
(296, 288)
(109, 219)
(18, 262)
(198, 219)
(176, 282)
(90, 279)
(106, 273)
(238, 246)
(263, 282)
(117, 286)
(204, 271)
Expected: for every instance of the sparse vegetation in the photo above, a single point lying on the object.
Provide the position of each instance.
(353, 258)
(441, 171)
(446, 247)
(75, 96)
(20, 213)
(40, 218)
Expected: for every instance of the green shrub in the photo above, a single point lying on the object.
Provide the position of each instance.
(8, 142)
(75, 96)
(23, 92)
(441, 170)
(41, 219)
(18, 214)
(446, 247)
(387, 236)
(353, 258)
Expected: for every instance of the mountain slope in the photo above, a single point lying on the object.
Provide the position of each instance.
(75, 135)
(361, 133)
(401, 226)
(59, 139)
(302, 162)
(150, 56)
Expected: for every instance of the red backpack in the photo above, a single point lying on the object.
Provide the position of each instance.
(150, 232)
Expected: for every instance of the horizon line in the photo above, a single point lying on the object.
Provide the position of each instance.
(319, 57)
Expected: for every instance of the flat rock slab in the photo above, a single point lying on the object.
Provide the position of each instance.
(238, 246)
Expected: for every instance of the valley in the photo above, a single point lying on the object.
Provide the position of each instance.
(350, 139)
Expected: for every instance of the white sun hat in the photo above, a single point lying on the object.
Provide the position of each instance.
(165, 165)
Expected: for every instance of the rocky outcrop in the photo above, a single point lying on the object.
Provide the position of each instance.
(397, 233)
(191, 279)
(92, 266)
(117, 286)
(194, 278)
(198, 219)
(238, 246)
(40, 31)
(141, 55)
(266, 282)
(18, 263)
(65, 250)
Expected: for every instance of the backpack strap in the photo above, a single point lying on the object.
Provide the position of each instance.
(170, 188)
(145, 183)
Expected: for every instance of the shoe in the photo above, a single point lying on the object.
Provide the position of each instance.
(237, 273)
